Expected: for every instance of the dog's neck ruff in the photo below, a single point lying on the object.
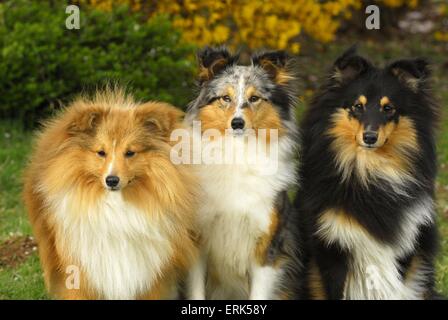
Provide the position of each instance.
(117, 247)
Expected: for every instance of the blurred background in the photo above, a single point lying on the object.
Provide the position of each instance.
(150, 46)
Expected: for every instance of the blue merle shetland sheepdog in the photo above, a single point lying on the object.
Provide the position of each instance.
(367, 192)
(247, 243)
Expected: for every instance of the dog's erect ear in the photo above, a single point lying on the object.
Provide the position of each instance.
(275, 63)
(212, 61)
(349, 66)
(85, 121)
(411, 72)
(159, 118)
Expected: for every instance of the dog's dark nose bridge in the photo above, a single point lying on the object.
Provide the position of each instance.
(371, 121)
(371, 127)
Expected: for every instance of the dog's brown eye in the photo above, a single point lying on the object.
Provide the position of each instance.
(101, 153)
(253, 99)
(388, 108)
(129, 154)
(358, 107)
(226, 99)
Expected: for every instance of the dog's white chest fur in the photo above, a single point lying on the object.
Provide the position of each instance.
(236, 211)
(373, 266)
(119, 248)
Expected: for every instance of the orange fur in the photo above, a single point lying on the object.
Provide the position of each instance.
(384, 101)
(280, 75)
(363, 100)
(206, 73)
(265, 117)
(65, 161)
(264, 242)
(391, 158)
(342, 219)
(315, 283)
(213, 116)
(262, 116)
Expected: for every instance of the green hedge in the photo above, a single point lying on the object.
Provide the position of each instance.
(43, 63)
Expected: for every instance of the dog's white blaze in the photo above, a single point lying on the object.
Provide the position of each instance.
(236, 210)
(373, 266)
(240, 95)
(110, 167)
(119, 249)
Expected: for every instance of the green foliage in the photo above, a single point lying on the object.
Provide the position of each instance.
(43, 63)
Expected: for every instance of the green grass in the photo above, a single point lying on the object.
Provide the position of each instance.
(14, 149)
(25, 280)
(442, 202)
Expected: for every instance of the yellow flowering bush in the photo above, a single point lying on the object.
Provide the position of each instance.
(274, 24)
(279, 24)
(442, 34)
(400, 3)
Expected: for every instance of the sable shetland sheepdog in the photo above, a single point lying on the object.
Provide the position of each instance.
(367, 192)
(107, 205)
(247, 245)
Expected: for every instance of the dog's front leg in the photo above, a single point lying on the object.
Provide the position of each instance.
(264, 280)
(196, 279)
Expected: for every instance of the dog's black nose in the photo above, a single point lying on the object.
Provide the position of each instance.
(237, 123)
(112, 181)
(370, 137)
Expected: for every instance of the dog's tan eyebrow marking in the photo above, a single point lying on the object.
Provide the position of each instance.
(250, 91)
(384, 100)
(362, 99)
(231, 92)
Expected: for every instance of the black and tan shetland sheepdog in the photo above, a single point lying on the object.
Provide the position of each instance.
(247, 245)
(368, 174)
